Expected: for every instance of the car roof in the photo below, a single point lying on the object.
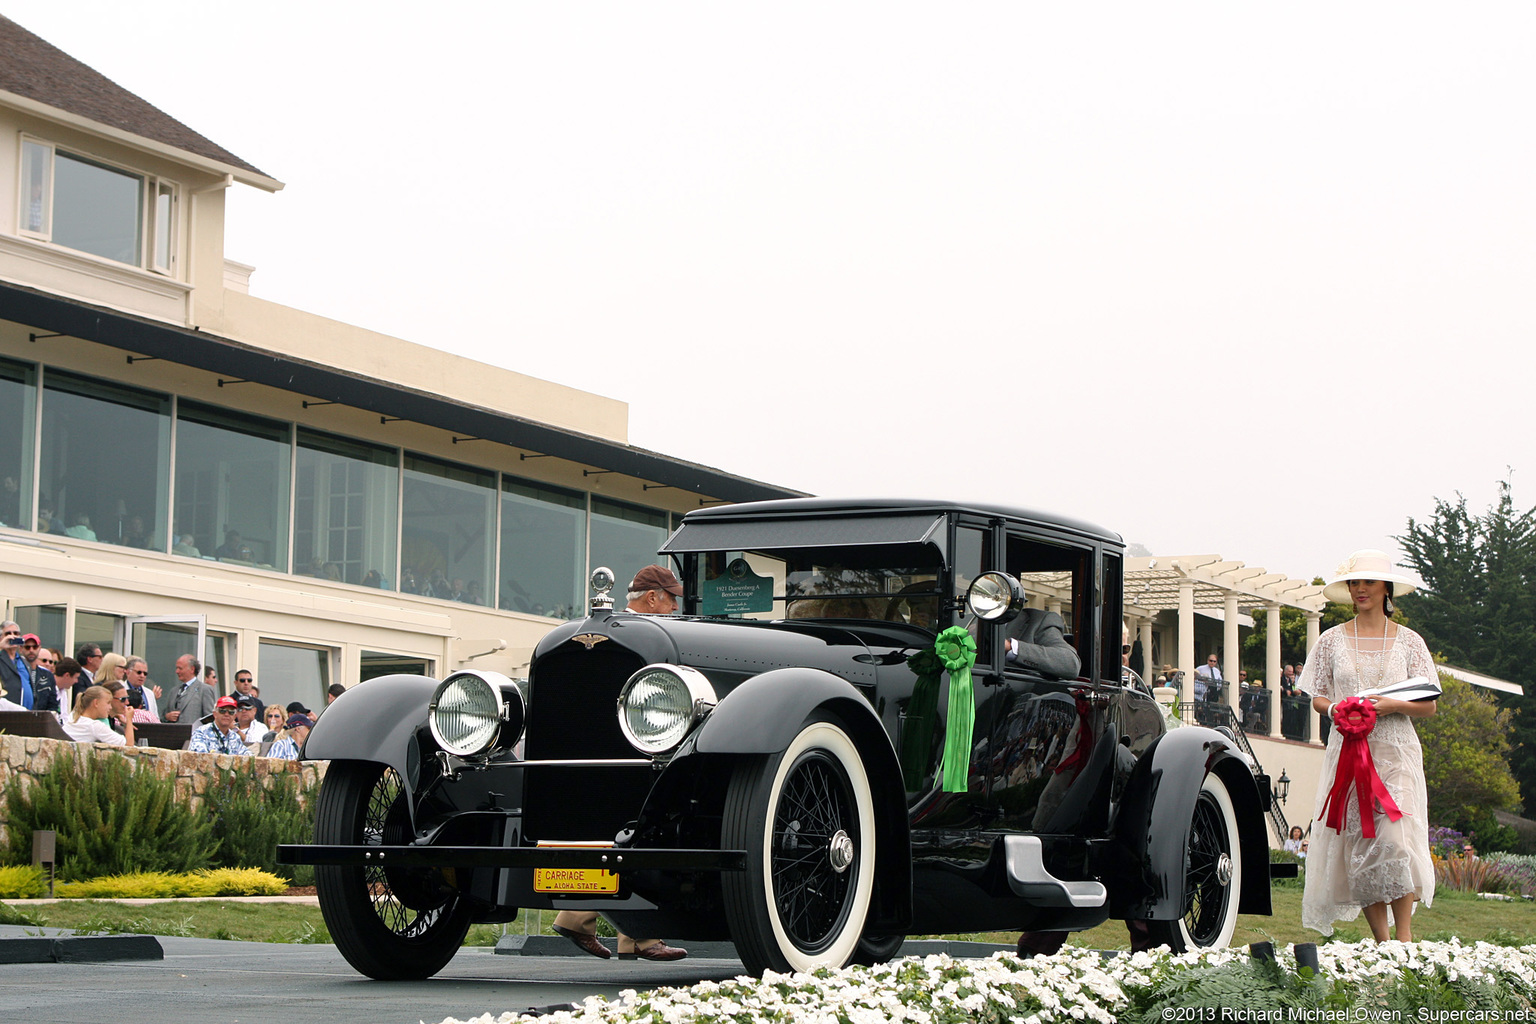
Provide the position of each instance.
(812, 507)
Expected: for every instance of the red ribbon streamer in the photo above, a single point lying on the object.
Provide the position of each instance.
(1355, 718)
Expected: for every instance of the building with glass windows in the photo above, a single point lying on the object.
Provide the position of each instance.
(185, 467)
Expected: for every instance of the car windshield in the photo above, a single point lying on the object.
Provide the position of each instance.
(891, 583)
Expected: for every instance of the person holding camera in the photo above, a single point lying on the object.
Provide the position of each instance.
(15, 670)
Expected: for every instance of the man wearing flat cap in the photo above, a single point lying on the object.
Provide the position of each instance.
(655, 591)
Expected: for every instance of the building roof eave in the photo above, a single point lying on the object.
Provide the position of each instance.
(227, 357)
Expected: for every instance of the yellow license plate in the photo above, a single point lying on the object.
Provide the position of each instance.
(598, 880)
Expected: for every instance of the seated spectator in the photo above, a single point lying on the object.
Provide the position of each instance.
(219, 736)
(332, 692)
(274, 718)
(88, 722)
(291, 741)
(253, 730)
(297, 708)
(186, 545)
(82, 528)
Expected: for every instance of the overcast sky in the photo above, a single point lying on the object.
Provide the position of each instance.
(1222, 278)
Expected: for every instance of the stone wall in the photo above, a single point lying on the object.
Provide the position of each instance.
(25, 758)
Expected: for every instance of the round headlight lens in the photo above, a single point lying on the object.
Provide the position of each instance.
(660, 703)
(992, 594)
(465, 718)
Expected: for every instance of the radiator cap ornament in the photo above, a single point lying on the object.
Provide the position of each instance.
(602, 582)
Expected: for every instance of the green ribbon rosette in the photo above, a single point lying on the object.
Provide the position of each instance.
(922, 712)
(956, 650)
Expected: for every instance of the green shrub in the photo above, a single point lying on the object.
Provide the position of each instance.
(22, 882)
(111, 820)
(149, 885)
(249, 822)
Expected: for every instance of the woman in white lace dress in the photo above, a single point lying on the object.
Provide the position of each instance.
(1348, 873)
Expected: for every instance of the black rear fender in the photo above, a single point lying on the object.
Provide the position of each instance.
(1153, 824)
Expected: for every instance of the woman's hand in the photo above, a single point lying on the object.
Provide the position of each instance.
(1393, 706)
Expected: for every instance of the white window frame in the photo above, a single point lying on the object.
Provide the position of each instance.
(154, 187)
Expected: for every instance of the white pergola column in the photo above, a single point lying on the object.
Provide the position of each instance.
(1187, 640)
(1314, 621)
(1232, 648)
(1272, 665)
(1053, 605)
(1146, 649)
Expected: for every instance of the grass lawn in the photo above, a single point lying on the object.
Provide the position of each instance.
(1454, 914)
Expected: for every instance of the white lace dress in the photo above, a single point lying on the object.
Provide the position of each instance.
(1346, 871)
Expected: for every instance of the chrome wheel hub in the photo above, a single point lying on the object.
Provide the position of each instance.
(1224, 869)
(840, 851)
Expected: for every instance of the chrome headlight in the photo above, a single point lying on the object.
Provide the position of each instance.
(660, 703)
(994, 597)
(472, 710)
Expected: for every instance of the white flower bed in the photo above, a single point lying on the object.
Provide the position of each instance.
(1075, 985)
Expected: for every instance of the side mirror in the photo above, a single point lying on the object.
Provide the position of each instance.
(994, 597)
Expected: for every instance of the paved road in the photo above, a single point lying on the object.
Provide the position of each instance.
(204, 981)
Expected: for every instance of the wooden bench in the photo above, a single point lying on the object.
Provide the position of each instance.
(34, 723)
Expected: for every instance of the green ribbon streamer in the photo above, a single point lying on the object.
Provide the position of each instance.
(922, 712)
(956, 650)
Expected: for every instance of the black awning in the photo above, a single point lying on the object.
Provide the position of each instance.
(314, 379)
(819, 532)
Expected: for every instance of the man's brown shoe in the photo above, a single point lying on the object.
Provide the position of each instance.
(587, 942)
(658, 951)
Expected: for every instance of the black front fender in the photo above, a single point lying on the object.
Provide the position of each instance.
(1153, 824)
(374, 721)
(762, 716)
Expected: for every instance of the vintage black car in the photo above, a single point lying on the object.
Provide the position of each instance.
(765, 766)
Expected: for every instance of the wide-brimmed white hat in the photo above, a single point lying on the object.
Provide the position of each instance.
(1367, 564)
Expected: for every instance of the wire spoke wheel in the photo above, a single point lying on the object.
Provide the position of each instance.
(806, 818)
(389, 922)
(1212, 874)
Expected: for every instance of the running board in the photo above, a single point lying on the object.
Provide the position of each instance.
(1029, 879)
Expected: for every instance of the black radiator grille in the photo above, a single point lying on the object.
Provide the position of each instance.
(572, 715)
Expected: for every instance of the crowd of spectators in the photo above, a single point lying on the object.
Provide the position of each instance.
(98, 697)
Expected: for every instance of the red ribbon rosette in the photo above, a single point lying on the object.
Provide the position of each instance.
(1355, 717)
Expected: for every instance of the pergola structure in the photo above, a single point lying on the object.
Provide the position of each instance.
(1186, 583)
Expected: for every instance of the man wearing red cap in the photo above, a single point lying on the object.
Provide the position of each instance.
(45, 689)
(222, 735)
(654, 591)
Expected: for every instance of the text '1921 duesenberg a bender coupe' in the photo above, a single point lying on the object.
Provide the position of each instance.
(835, 744)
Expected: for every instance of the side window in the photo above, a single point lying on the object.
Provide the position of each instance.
(1114, 644)
(973, 556)
(1056, 579)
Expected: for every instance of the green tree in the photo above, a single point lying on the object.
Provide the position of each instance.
(1466, 748)
(1478, 606)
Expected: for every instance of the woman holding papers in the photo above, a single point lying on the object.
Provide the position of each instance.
(1370, 847)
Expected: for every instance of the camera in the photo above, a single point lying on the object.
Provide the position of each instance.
(135, 696)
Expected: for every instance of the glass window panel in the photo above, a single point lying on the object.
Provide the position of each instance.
(98, 209)
(288, 673)
(446, 530)
(47, 621)
(345, 510)
(36, 184)
(105, 466)
(232, 486)
(543, 549)
(164, 226)
(160, 644)
(18, 413)
(96, 628)
(378, 663)
(625, 539)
